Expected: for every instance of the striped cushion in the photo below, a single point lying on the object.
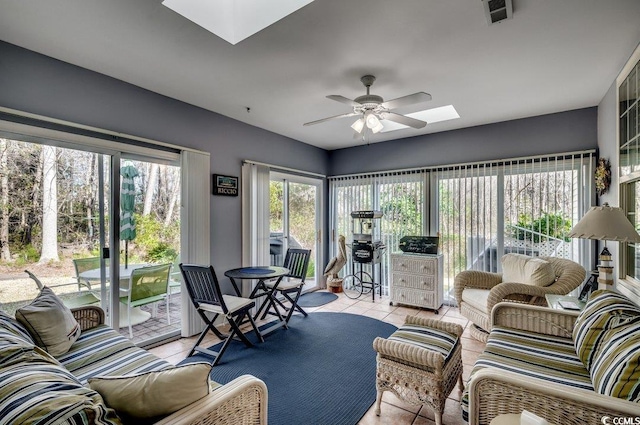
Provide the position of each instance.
(34, 389)
(426, 337)
(604, 311)
(615, 370)
(102, 351)
(550, 358)
(8, 323)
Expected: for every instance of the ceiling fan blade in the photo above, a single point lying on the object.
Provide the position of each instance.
(343, 99)
(404, 120)
(406, 100)
(350, 114)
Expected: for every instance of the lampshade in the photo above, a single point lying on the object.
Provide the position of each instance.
(605, 223)
(377, 127)
(372, 120)
(358, 125)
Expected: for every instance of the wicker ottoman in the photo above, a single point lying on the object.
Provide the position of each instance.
(420, 363)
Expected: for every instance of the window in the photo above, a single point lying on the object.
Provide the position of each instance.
(629, 139)
(399, 196)
(82, 202)
(480, 211)
(524, 206)
(281, 209)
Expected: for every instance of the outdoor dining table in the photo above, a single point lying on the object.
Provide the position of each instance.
(261, 273)
(137, 315)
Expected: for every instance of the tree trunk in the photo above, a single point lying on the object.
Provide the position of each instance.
(172, 202)
(151, 189)
(5, 254)
(90, 200)
(49, 205)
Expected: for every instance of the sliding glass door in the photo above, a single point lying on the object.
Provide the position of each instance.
(480, 211)
(149, 234)
(294, 220)
(56, 221)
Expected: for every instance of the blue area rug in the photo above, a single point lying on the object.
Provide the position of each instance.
(320, 371)
(316, 299)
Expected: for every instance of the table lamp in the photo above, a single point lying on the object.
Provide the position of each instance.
(605, 223)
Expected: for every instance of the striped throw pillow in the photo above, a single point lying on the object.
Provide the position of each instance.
(605, 310)
(616, 368)
(34, 389)
(9, 324)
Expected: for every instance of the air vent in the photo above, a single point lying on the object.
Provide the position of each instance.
(497, 10)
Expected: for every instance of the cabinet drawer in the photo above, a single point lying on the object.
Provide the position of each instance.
(422, 265)
(414, 281)
(414, 297)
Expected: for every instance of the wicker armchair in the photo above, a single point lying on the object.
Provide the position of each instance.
(569, 275)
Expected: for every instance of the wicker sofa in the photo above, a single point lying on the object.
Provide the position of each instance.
(535, 360)
(31, 380)
(477, 292)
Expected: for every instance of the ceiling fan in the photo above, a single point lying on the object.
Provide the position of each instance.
(372, 109)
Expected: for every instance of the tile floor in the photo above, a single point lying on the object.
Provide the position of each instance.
(393, 410)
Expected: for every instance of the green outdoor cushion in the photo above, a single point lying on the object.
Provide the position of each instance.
(36, 389)
(615, 370)
(426, 337)
(605, 310)
(531, 355)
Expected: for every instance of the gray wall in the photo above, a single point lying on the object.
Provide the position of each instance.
(554, 133)
(608, 146)
(38, 84)
(41, 85)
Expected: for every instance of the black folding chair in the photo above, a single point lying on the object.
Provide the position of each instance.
(204, 290)
(297, 261)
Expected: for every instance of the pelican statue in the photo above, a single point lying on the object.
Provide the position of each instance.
(337, 263)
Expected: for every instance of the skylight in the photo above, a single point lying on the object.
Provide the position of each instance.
(235, 20)
(443, 113)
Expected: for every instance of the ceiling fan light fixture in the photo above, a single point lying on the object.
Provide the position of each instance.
(372, 120)
(377, 128)
(358, 125)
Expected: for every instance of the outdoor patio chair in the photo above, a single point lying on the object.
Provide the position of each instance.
(205, 293)
(175, 279)
(82, 265)
(297, 261)
(147, 285)
(77, 299)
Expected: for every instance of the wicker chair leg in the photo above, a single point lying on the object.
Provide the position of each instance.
(460, 383)
(438, 416)
(378, 402)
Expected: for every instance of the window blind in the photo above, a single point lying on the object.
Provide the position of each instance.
(480, 210)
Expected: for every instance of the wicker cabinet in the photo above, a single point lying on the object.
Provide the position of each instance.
(417, 280)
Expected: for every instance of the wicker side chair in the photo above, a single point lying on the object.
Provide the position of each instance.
(490, 287)
(420, 363)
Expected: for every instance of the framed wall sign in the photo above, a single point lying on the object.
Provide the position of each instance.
(225, 185)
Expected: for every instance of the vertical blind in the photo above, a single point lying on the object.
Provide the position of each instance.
(401, 198)
(480, 211)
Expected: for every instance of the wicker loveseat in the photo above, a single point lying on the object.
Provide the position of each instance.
(559, 364)
(36, 388)
(476, 292)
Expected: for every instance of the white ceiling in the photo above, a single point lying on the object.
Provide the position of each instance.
(554, 55)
